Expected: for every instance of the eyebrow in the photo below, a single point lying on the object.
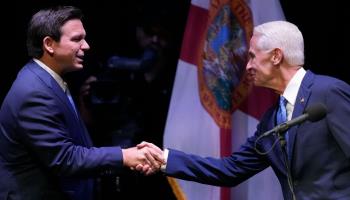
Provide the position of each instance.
(251, 54)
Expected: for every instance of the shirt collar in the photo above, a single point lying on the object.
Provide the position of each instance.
(57, 77)
(291, 91)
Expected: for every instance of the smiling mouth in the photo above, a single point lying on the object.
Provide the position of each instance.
(80, 58)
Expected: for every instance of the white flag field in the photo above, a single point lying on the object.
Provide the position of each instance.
(213, 108)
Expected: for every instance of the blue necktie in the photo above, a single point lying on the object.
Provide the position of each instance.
(282, 117)
(282, 111)
(66, 91)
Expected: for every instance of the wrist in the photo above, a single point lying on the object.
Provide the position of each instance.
(165, 156)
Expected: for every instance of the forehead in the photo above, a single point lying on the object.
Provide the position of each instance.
(253, 42)
(73, 25)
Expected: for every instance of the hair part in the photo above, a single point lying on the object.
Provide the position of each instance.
(48, 22)
(283, 35)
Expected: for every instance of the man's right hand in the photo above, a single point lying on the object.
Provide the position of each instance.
(145, 157)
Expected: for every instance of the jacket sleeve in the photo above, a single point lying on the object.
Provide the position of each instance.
(226, 171)
(338, 112)
(49, 135)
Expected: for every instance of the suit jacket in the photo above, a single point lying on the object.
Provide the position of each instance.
(45, 149)
(319, 163)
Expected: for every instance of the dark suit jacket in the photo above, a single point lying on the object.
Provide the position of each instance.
(45, 149)
(320, 161)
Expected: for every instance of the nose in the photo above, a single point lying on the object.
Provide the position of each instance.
(85, 46)
(248, 66)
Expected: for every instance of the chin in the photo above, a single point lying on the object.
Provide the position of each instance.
(76, 68)
(257, 83)
(79, 66)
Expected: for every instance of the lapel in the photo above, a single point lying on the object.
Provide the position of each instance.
(57, 90)
(299, 107)
(53, 85)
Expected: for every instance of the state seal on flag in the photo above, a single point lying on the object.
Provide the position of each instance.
(223, 61)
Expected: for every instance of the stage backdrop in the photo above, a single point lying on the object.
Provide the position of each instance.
(214, 108)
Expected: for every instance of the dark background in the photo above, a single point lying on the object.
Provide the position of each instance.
(109, 26)
(110, 30)
(324, 25)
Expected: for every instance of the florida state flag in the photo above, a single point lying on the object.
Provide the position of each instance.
(214, 108)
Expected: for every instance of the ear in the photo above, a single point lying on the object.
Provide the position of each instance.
(277, 56)
(48, 44)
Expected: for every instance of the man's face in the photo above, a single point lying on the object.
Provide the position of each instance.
(259, 66)
(69, 51)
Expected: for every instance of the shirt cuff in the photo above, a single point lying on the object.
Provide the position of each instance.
(165, 155)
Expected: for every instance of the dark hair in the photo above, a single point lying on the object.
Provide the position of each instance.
(48, 22)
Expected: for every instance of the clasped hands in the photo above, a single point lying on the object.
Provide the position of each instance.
(146, 158)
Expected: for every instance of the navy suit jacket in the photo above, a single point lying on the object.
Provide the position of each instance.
(45, 149)
(320, 163)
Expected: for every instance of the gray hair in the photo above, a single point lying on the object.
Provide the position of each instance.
(283, 35)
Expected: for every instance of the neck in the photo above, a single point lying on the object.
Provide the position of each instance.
(286, 73)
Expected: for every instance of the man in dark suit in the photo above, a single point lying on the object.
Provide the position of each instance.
(45, 150)
(316, 164)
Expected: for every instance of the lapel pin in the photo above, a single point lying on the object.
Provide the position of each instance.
(302, 100)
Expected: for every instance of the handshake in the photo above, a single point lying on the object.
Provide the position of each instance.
(146, 158)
